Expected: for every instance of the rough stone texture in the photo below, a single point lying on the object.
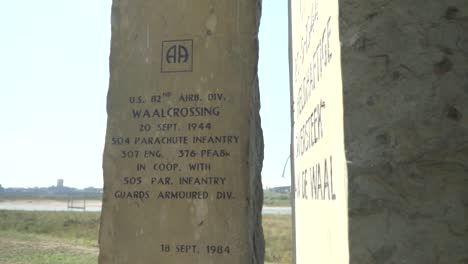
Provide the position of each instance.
(256, 146)
(405, 81)
(221, 40)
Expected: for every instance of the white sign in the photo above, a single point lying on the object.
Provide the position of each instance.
(320, 175)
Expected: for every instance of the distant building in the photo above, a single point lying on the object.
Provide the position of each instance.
(282, 189)
(60, 183)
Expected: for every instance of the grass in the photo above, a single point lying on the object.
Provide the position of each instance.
(18, 248)
(48, 237)
(81, 227)
(278, 238)
(71, 237)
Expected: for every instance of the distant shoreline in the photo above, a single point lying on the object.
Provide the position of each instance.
(47, 202)
(89, 203)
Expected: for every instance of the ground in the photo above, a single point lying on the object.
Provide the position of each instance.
(71, 237)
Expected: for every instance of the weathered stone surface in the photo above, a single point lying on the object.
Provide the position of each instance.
(405, 80)
(184, 146)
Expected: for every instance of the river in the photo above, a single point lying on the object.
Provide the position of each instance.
(91, 206)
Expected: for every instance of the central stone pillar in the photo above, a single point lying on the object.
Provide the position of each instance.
(184, 146)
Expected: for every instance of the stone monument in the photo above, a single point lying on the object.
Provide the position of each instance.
(184, 146)
(319, 164)
(405, 84)
(405, 106)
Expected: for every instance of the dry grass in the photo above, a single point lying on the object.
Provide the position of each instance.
(71, 237)
(278, 238)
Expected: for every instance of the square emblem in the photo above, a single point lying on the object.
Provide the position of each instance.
(177, 55)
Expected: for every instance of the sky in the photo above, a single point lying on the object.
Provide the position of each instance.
(53, 84)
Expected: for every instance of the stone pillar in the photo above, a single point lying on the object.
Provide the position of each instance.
(184, 146)
(405, 82)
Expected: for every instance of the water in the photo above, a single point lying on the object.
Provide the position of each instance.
(46, 208)
(280, 211)
(54, 208)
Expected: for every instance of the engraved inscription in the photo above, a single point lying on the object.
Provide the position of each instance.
(177, 56)
(175, 156)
